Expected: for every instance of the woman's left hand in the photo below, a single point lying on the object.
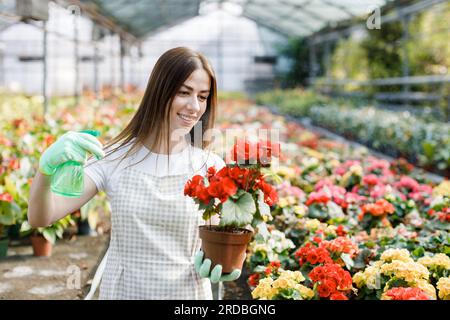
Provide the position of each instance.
(215, 275)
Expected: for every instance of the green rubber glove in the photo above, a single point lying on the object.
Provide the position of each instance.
(71, 146)
(203, 269)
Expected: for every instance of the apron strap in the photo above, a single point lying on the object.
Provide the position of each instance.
(97, 277)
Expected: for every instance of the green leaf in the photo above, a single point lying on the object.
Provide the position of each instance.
(428, 149)
(418, 252)
(347, 260)
(238, 213)
(59, 231)
(7, 213)
(50, 235)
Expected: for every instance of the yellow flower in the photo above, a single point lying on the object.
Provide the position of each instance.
(345, 178)
(331, 230)
(299, 211)
(443, 285)
(359, 279)
(282, 283)
(427, 288)
(312, 224)
(396, 254)
(443, 189)
(264, 289)
(440, 260)
(305, 292)
(283, 202)
(268, 288)
(384, 296)
(370, 277)
(291, 200)
(314, 153)
(334, 163)
(261, 247)
(411, 272)
(356, 169)
(286, 172)
(294, 275)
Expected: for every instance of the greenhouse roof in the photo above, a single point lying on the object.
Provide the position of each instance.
(305, 17)
(289, 17)
(141, 17)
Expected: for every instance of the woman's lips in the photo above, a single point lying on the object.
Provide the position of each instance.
(187, 119)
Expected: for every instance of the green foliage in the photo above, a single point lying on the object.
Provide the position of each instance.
(383, 53)
(238, 212)
(231, 95)
(349, 61)
(297, 51)
(296, 102)
(52, 232)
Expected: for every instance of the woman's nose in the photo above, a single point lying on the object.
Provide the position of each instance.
(194, 104)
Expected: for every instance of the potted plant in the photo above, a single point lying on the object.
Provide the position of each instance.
(43, 239)
(88, 215)
(239, 194)
(9, 214)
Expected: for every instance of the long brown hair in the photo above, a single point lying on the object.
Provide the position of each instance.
(168, 75)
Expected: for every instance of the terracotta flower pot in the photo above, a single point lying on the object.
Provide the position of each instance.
(225, 248)
(41, 246)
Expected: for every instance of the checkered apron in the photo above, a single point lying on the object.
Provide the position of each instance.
(154, 237)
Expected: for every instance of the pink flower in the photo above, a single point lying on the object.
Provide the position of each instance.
(370, 180)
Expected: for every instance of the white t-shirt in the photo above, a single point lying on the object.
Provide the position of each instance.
(106, 171)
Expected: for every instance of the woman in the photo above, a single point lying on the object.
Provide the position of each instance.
(154, 251)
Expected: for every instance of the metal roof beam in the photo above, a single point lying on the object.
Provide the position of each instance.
(284, 16)
(93, 13)
(340, 7)
(114, 5)
(114, 10)
(302, 9)
(268, 25)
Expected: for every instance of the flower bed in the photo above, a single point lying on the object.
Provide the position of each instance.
(398, 134)
(341, 214)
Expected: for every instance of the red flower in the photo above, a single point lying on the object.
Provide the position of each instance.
(379, 208)
(253, 279)
(48, 140)
(275, 264)
(228, 186)
(370, 180)
(341, 245)
(6, 197)
(14, 164)
(331, 279)
(211, 172)
(338, 296)
(195, 187)
(317, 239)
(215, 190)
(318, 197)
(270, 194)
(312, 257)
(341, 231)
(324, 291)
(402, 293)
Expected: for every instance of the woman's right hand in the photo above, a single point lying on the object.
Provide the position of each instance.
(71, 146)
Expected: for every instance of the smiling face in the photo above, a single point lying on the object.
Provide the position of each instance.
(190, 102)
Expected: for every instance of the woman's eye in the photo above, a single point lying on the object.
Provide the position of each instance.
(184, 93)
(201, 98)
